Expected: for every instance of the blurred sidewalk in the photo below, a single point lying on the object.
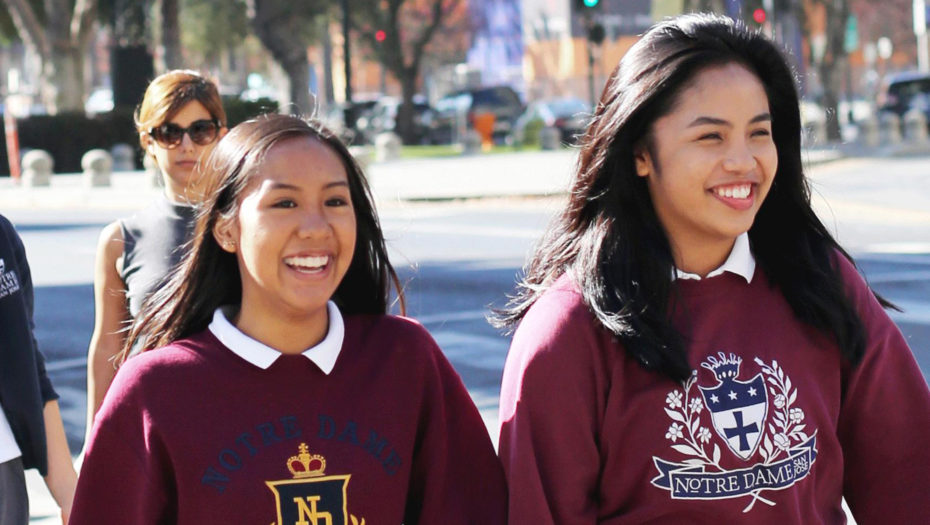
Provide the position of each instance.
(495, 175)
(499, 175)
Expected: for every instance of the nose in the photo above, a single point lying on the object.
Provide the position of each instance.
(313, 224)
(739, 158)
(187, 144)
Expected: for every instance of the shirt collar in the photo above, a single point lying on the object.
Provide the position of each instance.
(741, 262)
(323, 354)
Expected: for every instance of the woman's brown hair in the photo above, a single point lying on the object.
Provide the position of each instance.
(170, 92)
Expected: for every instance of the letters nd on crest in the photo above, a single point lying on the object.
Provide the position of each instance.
(311, 496)
(765, 423)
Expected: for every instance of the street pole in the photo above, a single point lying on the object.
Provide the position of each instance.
(349, 115)
(920, 30)
(590, 47)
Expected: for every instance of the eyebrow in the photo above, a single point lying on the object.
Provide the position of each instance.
(704, 121)
(286, 186)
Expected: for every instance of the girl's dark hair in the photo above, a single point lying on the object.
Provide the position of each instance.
(610, 238)
(208, 277)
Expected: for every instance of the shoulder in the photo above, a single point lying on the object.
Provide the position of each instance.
(391, 331)
(161, 366)
(400, 344)
(5, 225)
(855, 285)
(560, 314)
(393, 326)
(560, 336)
(561, 358)
(8, 234)
(110, 235)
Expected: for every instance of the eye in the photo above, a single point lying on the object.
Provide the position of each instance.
(284, 203)
(711, 136)
(761, 133)
(337, 201)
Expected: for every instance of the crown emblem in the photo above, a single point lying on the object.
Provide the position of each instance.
(304, 465)
(725, 368)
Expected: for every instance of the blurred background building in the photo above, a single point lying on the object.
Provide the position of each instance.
(96, 56)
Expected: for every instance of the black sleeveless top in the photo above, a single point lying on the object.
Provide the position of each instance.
(153, 241)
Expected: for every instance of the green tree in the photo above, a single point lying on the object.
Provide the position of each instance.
(285, 28)
(171, 33)
(210, 27)
(832, 61)
(59, 33)
(409, 28)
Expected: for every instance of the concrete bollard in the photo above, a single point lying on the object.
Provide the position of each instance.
(915, 126)
(890, 125)
(869, 132)
(98, 166)
(152, 172)
(37, 168)
(471, 142)
(550, 138)
(123, 157)
(387, 146)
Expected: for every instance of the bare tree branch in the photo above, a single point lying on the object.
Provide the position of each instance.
(27, 24)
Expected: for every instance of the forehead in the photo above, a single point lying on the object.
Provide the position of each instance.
(188, 113)
(303, 162)
(728, 89)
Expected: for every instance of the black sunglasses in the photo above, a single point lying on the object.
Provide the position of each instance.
(201, 132)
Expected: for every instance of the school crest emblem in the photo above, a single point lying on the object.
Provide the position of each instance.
(757, 421)
(737, 408)
(311, 497)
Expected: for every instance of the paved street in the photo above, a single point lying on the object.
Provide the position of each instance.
(459, 257)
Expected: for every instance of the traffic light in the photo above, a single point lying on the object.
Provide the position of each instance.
(758, 16)
(584, 5)
(380, 35)
(596, 33)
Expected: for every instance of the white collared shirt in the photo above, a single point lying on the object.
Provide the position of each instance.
(741, 262)
(323, 354)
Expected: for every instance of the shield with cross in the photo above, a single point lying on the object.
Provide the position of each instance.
(738, 409)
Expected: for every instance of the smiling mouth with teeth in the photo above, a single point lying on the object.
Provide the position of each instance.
(734, 192)
(307, 264)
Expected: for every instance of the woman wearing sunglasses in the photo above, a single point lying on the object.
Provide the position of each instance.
(179, 121)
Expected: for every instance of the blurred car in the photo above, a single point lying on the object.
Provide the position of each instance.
(456, 112)
(99, 101)
(568, 114)
(383, 117)
(904, 91)
(335, 120)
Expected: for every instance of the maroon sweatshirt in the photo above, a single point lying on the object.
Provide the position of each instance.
(773, 427)
(194, 434)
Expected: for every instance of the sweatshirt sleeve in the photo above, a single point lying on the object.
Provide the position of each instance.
(550, 411)
(456, 478)
(125, 477)
(884, 421)
(22, 265)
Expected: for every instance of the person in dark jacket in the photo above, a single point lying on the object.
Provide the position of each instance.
(31, 431)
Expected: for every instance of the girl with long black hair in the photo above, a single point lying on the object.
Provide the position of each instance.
(693, 345)
(273, 387)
